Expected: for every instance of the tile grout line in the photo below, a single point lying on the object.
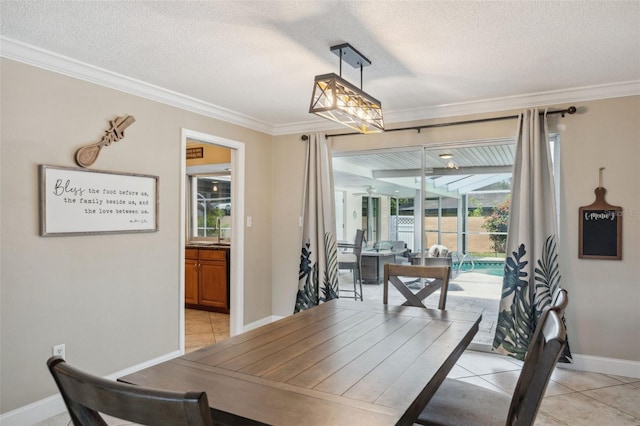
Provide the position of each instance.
(606, 403)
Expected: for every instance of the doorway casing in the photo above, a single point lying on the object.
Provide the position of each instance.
(236, 318)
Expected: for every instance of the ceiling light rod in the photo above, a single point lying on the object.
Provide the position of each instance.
(570, 110)
(351, 56)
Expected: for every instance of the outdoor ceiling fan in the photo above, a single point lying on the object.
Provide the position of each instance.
(370, 190)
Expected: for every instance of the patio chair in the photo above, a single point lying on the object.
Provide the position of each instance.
(352, 261)
(86, 396)
(437, 255)
(461, 403)
(439, 274)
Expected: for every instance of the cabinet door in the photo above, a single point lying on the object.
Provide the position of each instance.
(191, 281)
(213, 283)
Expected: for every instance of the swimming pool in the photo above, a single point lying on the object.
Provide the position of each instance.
(489, 267)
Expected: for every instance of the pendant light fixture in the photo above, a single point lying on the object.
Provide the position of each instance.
(338, 100)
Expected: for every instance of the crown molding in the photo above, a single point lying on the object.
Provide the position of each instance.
(31, 55)
(22, 52)
(555, 97)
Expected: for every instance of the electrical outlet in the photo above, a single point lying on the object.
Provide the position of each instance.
(58, 350)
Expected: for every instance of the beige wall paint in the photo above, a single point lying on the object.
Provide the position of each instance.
(288, 158)
(605, 294)
(112, 299)
(604, 311)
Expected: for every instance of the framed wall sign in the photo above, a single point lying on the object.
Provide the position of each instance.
(76, 201)
(600, 234)
(197, 152)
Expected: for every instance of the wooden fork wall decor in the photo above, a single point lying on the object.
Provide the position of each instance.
(88, 154)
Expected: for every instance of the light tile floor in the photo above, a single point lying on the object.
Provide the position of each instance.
(203, 328)
(573, 398)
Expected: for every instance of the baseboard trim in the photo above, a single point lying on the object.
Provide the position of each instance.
(261, 322)
(588, 363)
(53, 405)
(611, 366)
(34, 413)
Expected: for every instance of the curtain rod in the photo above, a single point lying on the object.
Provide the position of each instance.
(570, 110)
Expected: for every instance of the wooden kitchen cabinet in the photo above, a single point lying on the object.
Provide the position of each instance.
(206, 279)
(191, 277)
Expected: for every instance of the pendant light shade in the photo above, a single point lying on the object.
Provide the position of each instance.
(338, 100)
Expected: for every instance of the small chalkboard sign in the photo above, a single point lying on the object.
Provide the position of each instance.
(600, 229)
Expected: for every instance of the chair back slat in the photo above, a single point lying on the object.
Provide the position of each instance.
(86, 396)
(439, 274)
(542, 357)
(357, 243)
(560, 300)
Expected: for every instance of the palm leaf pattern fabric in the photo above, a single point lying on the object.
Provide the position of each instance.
(532, 271)
(318, 269)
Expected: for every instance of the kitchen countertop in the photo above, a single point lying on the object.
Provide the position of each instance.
(208, 246)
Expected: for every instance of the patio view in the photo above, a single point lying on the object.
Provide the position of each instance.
(455, 197)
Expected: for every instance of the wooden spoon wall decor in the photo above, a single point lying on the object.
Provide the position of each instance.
(88, 154)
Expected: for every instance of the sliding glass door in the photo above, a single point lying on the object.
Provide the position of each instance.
(448, 200)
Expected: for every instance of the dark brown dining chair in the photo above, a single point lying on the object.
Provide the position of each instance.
(352, 260)
(461, 403)
(86, 396)
(559, 300)
(438, 274)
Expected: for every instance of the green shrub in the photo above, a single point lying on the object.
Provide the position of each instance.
(498, 221)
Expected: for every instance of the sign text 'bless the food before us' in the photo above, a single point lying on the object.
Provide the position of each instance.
(85, 201)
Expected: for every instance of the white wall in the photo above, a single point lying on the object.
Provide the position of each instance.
(112, 299)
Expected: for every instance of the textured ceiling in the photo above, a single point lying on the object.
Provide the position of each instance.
(258, 59)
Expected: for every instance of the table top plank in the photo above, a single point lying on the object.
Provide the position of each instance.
(283, 326)
(343, 362)
(275, 360)
(204, 369)
(262, 402)
(301, 363)
(347, 353)
(326, 327)
(268, 335)
(344, 379)
(375, 382)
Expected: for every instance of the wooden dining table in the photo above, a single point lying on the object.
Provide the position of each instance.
(343, 362)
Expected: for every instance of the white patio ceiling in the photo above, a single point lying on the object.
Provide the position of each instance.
(397, 173)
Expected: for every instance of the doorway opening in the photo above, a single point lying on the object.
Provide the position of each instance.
(234, 232)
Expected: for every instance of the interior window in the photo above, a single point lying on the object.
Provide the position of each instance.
(210, 202)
